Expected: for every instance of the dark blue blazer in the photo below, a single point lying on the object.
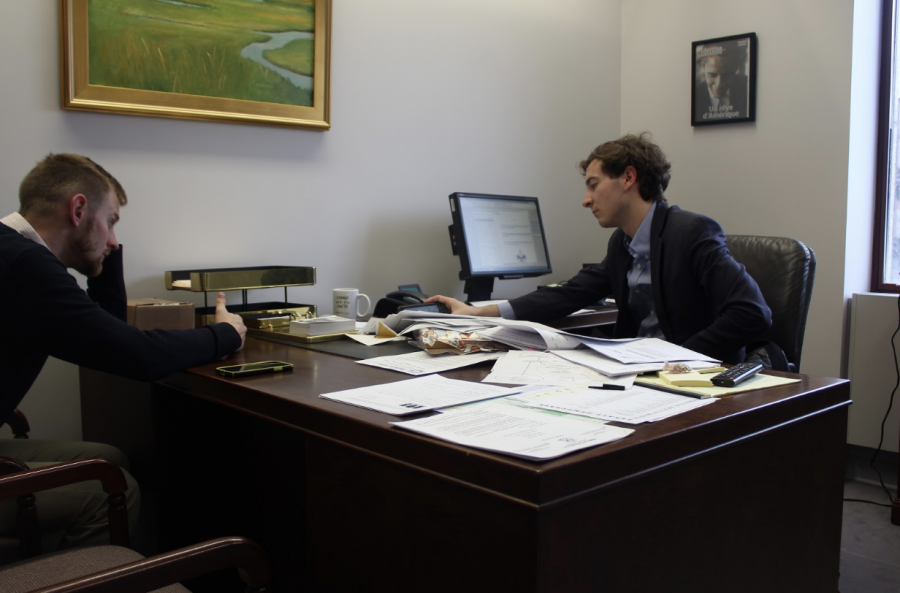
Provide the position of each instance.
(703, 298)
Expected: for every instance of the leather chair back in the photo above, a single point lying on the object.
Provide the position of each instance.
(785, 270)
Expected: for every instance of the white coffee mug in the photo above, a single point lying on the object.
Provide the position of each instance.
(346, 302)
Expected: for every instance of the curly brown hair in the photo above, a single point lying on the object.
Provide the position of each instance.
(652, 166)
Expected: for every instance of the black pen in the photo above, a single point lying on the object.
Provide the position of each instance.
(608, 387)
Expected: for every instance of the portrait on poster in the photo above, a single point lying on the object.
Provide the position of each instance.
(724, 80)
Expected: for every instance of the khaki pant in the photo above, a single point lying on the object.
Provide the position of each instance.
(73, 515)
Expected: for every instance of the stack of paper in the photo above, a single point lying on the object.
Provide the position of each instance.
(545, 368)
(513, 332)
(571, 385)
(633, 357)
(319, 326)
(503, 426)
(632, 406)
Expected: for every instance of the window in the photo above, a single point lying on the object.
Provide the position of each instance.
(886, 260)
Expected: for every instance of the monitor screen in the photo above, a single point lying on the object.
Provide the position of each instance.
(498, 236)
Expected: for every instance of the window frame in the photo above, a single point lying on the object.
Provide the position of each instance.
(883, 139)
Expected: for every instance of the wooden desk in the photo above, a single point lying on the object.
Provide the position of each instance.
(741, 495)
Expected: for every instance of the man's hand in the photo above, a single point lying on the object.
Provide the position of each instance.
(460, 308)
(223, 316)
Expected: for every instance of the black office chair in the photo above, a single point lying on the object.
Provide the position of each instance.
(785, 270)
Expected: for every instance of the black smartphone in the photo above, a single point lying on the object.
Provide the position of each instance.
(254, 368)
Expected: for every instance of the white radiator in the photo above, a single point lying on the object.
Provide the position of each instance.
(873, 320)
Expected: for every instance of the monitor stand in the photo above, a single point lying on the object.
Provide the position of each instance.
(479, 288)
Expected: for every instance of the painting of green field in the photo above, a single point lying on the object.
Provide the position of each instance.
(255, 50)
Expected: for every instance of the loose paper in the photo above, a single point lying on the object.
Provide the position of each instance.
(543, 368)
(646, 350)
(417, 395)
(613, 368)
(423, 363)
(632, 406)
(505, 427)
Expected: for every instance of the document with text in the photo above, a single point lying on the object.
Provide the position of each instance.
(520, 367)
(646, 350)
(504, 427)
(417, 395)
(613, 368)
(632, 406)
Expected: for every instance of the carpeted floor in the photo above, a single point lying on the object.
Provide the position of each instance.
(870, 543)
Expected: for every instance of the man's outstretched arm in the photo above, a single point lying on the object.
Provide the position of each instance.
(458, 307)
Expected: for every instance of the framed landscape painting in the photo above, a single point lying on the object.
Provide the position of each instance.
(250, 61)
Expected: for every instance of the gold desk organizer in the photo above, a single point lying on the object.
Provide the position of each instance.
(219, 279)
(260, 317)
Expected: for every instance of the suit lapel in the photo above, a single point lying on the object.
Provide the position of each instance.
(657, 263)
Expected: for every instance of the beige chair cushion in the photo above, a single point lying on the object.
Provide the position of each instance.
(64, 565)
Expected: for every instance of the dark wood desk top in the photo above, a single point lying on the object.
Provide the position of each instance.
(292, 399)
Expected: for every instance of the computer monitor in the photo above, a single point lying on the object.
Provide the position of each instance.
(497, 237)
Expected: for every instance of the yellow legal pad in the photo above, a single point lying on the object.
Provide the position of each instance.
(758, 381)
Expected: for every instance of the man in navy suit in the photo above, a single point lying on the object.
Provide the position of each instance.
(668, 269)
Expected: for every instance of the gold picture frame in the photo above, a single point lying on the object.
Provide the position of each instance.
(211, 63)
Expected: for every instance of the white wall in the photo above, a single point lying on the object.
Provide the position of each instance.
(785, 174)
(428, 98)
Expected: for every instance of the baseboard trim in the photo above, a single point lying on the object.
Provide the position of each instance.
(859, 467)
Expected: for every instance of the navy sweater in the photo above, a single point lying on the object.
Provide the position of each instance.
(44, 312)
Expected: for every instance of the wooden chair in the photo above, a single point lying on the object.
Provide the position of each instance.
(113, 568)
(18, 423)
(29, 542)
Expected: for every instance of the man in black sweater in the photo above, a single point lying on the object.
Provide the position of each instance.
(669, 269)
(69, 206)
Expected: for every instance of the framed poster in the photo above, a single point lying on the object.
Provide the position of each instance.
(250, 61)
(723, 81)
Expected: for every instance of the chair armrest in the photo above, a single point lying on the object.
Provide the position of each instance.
(26, 516)
(61, 474)
(8, 465)
(176, 566)
(18, 423)
(69, 472)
